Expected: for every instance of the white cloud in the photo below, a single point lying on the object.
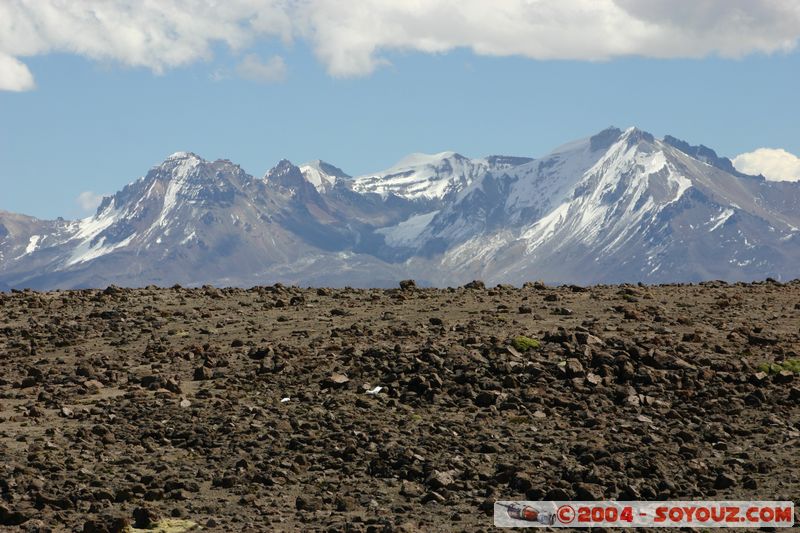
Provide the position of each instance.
(153, 34)
(88, 200)
(14, 75)
(269, 71)
(774, 164)
(349, 38)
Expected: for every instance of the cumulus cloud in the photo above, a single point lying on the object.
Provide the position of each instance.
(351, 38)
(269, 71)
(774, 164)
(88, 200)
(153, 34)
(14, 75)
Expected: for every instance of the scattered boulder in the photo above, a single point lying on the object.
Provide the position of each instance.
(145, 517)
(574, 368)
(439, 480)
(12, 517)
(408, 285)
(336, 381)
(202, 373)
(485, 399)
(724, 481)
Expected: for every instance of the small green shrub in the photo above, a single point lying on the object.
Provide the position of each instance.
(523, 343)
(792, 365)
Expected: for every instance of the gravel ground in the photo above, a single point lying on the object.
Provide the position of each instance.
(411, 409)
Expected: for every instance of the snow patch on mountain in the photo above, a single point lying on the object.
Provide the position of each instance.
(181, 172)
(181, 155)
(548, 181)
(478, 250)
(320, 174)
(718, 221)
(423, 176)
(87, 231)
(87, 251)
(32, 244)
(406, 232)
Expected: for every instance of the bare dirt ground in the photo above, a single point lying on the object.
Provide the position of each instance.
(258, 410)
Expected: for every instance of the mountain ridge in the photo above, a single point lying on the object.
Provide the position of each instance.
(617, 206)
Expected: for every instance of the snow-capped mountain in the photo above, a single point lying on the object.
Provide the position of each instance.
(432, 177)
(185, 216)
(617, 206)
(323, 176)
(621, 206)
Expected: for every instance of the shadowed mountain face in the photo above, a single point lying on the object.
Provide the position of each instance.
(620, 206)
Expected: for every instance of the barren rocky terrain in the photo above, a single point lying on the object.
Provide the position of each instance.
(283, 409)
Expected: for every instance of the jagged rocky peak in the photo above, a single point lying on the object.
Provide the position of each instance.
(190, 166)
(609, 136)
(701, 152)
(178, 164)
(322, 175)
(635, 136)
(285, 174)
(104, 203)
(705, 154)
(183, 177)
(284, 167)
(183, 155)
(326, 168)
(605, 139)
(180, 167)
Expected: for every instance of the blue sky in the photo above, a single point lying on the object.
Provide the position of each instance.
(95, 125)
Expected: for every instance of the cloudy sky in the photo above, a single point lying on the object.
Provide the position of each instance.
(94, 92)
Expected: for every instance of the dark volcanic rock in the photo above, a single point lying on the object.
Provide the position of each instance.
(145, 517)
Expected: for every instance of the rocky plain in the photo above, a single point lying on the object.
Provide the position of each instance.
(278, 408)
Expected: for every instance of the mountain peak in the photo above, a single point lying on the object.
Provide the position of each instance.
(183, 155)
(324, 166)
(285, 174)
(604, 139)
(421, 176)
(636, 135)
(419, 159)
(282, 166)
(322, 175)
(180, 166)
(705, 154)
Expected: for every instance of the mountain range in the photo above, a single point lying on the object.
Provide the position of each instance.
(619, 206)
